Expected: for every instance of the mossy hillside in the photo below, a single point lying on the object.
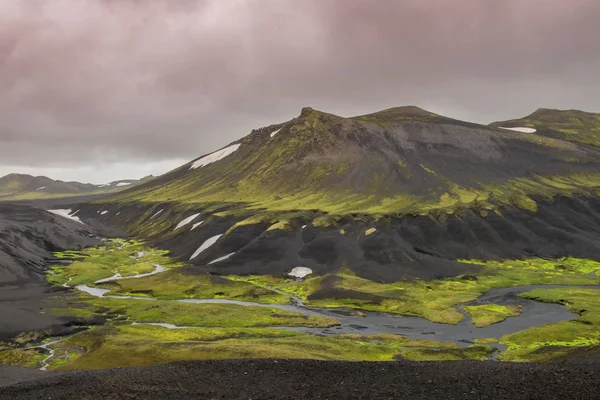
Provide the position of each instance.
(488, 314)
(321, 162)
(571, 125)
(113, 256)
(123, 346)
(557, 340)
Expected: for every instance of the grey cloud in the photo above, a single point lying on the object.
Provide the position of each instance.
(151, 81)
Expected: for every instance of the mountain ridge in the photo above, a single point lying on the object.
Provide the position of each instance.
(16, 186)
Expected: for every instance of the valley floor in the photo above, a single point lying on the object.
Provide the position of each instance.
(136, 307)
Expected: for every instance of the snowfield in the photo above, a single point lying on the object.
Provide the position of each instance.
(206, 245)
(276, 132)
(300, 272)
(196, 225)
(221, 259)
(157, 214)
(120, 184)
(42, 188)
(214, 157)
(186, 221)
(66, 214)
(522, 129)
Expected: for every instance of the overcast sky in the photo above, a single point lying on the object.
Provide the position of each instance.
(101, 90)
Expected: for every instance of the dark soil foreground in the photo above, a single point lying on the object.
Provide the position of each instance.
(270, 379)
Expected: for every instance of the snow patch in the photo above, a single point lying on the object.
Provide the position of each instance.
(276, 132)
(186, 221)
(300, 272)
(206, 245)
(104, 213)
(521, 129)
(304, 226)
(196, 225)
(214, 157)
(120, 184)
(157, 214)
(105, 185)
(66, 214)
(168, 326)
(221, 259)
(96, 292)
(42, 188)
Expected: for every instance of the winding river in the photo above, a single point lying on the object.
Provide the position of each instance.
(533, 314)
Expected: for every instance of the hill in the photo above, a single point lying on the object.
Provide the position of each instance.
(28, 187)
(571, 125)
(396, 194)
(402, 160)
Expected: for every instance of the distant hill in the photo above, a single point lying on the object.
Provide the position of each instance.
(28, 187)
(572, 125)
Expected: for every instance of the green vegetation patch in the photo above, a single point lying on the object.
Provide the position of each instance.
(173, 284)
(190, 314)
(122, 346)
(557, 340)
(113, 256)
(488, 314)
(476, 352)
(21, 357)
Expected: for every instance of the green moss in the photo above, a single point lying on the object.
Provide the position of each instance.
(370, 231)
(123, 346)
(486, 341)
(175, 285)
(469, 353)
(488, 314)
(114, 256)
(21, 357)
(557, 340)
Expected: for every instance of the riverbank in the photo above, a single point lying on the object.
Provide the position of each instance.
(304, 379)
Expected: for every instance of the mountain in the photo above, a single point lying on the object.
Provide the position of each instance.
(26, 187)
(571, 125)
(400, 193)
(402, 160)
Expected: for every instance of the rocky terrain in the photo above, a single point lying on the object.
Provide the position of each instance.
(285, 379)
(28, 238)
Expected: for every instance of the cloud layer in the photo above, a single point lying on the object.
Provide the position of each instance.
(146, 84)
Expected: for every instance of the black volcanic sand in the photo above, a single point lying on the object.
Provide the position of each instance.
(404, 247)
(299, 379)
(28, 236)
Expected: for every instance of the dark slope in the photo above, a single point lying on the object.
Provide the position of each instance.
(434, 188)
(28, 187)
(571, 125)
(297, 379)
(28, 236)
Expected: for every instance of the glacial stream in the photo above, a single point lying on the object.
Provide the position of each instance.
(533, 314)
